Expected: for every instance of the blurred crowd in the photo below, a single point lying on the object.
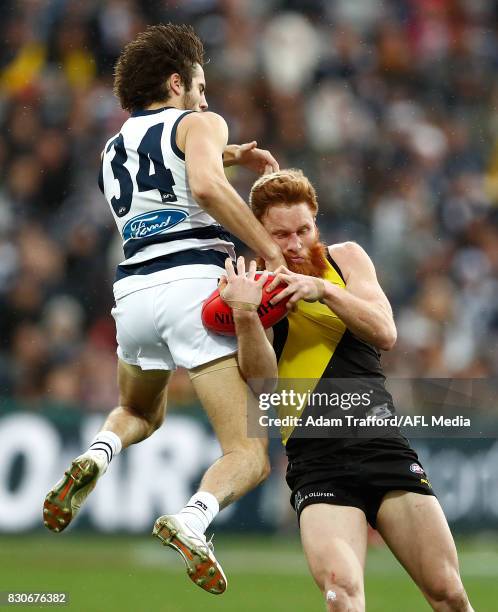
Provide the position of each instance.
(389, 106)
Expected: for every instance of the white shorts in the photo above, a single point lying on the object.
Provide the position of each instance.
(160, 327)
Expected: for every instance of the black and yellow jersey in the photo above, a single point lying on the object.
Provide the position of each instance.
(313, 345)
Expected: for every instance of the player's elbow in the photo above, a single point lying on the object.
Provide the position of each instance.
(265, 383)
(202, 194)
(387, 338)
(206, 191)
(265, 469)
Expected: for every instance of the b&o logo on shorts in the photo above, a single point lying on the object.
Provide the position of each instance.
(298, 500)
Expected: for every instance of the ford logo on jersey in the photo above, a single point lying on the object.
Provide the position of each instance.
(155, 222)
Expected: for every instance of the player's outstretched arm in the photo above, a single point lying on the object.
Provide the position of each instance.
(204, 136)
(256, 357)
(362, 305)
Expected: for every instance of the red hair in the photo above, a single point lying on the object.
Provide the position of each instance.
(286, 187)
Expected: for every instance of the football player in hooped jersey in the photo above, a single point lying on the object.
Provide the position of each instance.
(163, 178)
(339, 319)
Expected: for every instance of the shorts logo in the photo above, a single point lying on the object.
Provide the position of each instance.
(151, 223)
(299, 499)
(416, 469)
(426, 482)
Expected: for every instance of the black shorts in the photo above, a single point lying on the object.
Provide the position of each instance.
(359, 475)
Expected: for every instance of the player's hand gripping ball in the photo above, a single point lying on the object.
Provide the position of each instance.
(217, 315)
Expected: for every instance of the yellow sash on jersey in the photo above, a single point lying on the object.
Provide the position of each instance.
(313, 335)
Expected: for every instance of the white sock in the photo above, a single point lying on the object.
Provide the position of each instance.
(199, 511)
(104, 447)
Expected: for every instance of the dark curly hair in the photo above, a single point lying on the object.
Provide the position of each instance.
(147, 62)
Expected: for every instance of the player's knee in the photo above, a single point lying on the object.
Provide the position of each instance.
(344, 594)
(448, 593)
(155, 422)
(261, 461)
(265, 468)
(153, 419)
(256, 455)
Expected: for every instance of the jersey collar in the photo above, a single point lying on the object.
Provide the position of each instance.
(144, 112)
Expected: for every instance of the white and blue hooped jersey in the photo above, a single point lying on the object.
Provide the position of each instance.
(144, 179)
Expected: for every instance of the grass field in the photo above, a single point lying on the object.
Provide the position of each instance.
(107, 574)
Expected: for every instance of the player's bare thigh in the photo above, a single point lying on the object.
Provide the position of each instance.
(334, 540)
(226, 399)
(142, 403)
(143, 391)
(415, 529)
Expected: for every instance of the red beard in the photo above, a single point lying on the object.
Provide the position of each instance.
(315, 265)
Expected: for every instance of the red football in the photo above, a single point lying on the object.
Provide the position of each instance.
(217, 314)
